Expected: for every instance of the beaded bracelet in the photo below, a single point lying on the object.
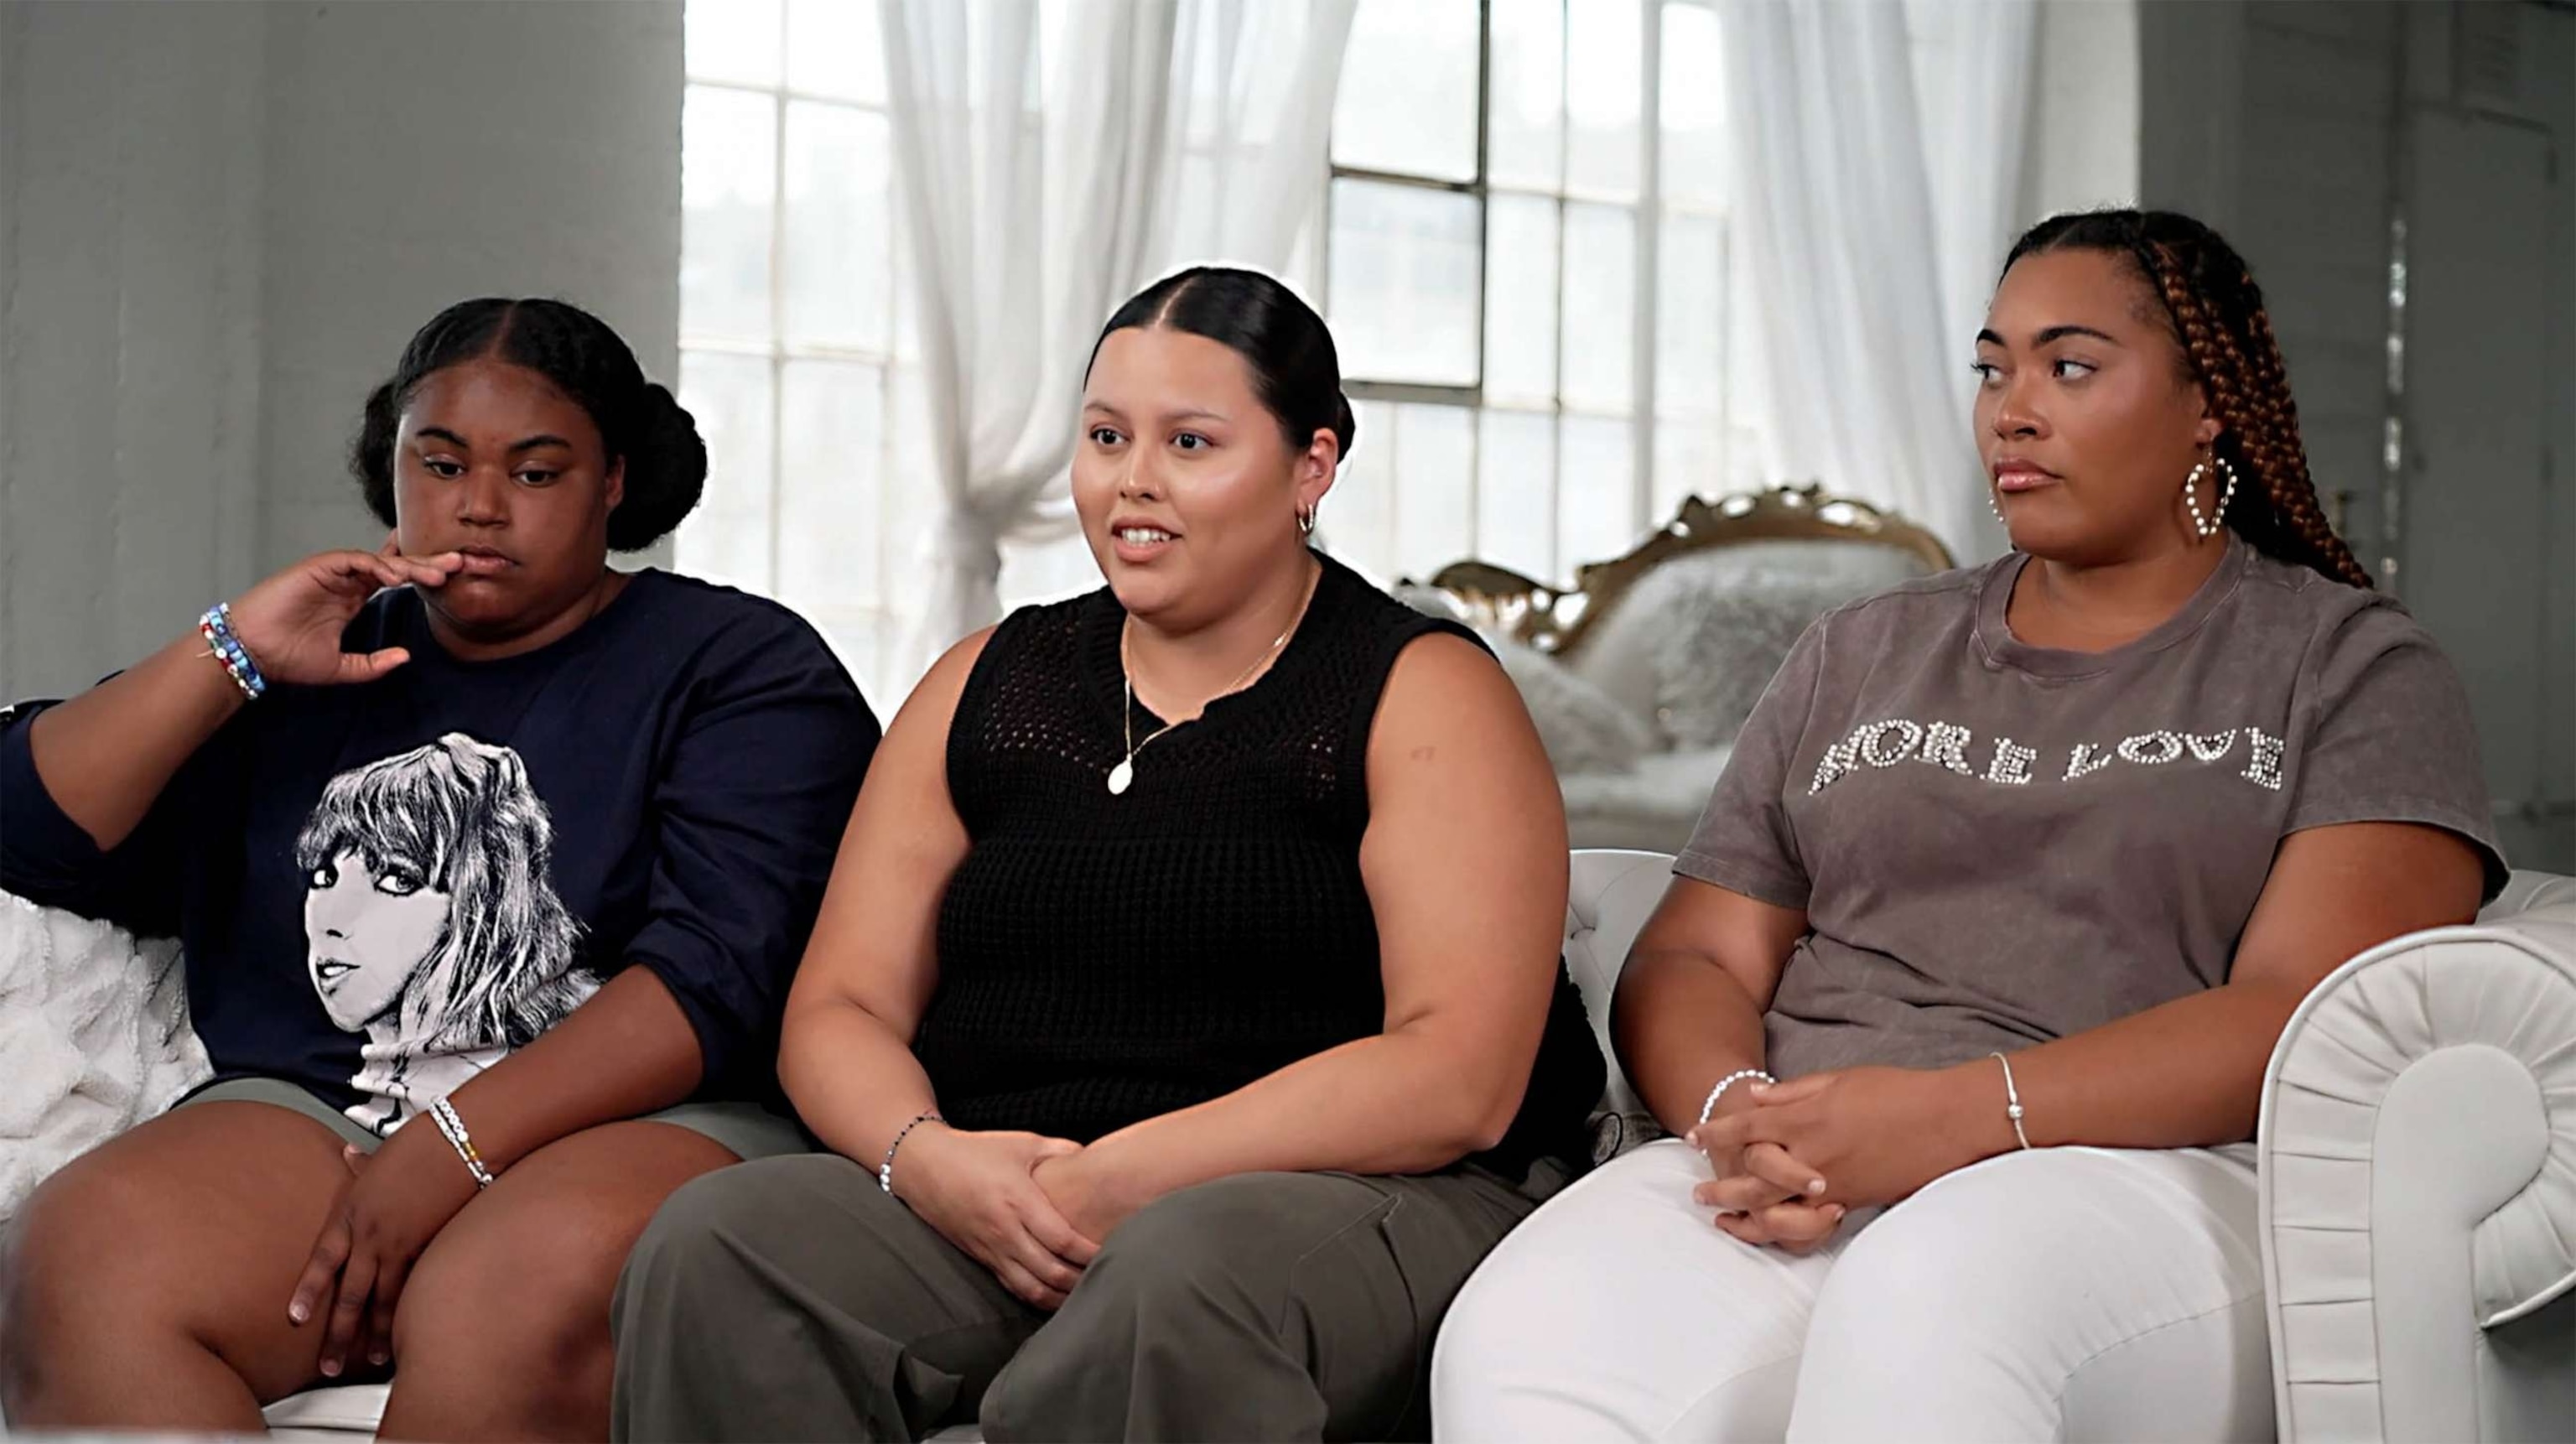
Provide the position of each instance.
(885, 1170)
(216, 626)
(443, 1113)
(2012, 1099)
(1709, 1108)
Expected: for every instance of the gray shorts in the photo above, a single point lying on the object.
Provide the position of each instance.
(747, 1129)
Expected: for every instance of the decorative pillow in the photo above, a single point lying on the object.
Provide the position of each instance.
(1582, 727)
(1712, 663)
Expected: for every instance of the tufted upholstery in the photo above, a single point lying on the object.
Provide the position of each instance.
(2418, 1154)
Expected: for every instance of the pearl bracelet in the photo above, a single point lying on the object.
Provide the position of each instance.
(2012, 1099)
(1729, 1081)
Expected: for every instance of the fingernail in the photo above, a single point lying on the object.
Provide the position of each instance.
(1834, 1210)
(1758, 1086)
(298, 1312)
(330, 1368)
(379, 1358)
(1815, 1185)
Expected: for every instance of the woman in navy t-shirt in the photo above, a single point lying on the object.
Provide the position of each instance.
(491, 864)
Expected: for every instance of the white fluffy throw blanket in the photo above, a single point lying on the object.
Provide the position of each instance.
(94, 1038)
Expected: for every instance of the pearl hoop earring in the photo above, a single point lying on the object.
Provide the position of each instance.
(2208, 526)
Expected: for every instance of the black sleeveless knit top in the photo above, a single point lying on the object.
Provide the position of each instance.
(1108, 959)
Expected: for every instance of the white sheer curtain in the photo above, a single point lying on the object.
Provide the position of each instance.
(1052, 159)
(1876, 200)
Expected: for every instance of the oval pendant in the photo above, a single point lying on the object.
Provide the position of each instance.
(1121, 775)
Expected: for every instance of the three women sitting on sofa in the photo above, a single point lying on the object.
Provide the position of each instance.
(1182, 1016)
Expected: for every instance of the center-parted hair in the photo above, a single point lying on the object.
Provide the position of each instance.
(460, 818)
(1295, 369)
(2207, 296)
(639, 421)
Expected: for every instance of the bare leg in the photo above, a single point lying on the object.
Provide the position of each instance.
(502, 1332)
(146, 1284)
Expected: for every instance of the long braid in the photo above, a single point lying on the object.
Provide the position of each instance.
(2227, 341)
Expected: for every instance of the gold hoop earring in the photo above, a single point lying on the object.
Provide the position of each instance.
(2211, 525)
(1305, 521)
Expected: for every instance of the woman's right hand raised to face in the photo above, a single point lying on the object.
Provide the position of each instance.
(980, 1192)
(291, 622)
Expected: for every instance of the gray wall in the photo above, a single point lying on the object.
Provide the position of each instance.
(2293, 126)
(218, 224)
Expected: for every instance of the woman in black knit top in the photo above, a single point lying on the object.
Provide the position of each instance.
(1174, 1008)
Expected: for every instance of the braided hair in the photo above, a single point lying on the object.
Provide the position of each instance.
(2209, 299)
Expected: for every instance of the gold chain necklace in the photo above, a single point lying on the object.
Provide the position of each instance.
(1123, 776)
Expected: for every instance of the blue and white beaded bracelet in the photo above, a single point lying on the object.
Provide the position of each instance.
(216, 626)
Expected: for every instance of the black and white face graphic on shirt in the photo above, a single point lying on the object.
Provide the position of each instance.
(430, 921)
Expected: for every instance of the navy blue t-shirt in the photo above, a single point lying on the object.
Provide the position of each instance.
(383, 889)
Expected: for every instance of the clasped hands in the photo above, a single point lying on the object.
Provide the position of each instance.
(1796, 1157)
(1030, 1208)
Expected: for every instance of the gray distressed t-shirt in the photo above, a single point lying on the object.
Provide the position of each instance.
(1997, 844)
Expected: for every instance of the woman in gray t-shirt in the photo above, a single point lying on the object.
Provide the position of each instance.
(2013, 879)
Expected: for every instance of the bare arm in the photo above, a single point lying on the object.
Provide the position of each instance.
(1689, 1006)
(2184, 1074)
(1466, 871)
(106, 755)
(2190, 1072)
(845, 1052)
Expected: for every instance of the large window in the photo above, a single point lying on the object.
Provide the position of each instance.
(1529, 273)
(796, 352)
(1523, 250)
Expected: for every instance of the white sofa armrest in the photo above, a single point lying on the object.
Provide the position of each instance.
(2418, 1162)
(1612, 892)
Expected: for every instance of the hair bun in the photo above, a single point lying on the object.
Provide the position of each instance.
(666, 471)
(1346, 426)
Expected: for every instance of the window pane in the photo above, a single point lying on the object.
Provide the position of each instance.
(1687, 463)
(1600, 307)
(1405, 273)
(832, 416)
(911, 509)
(1408, 89)
(1526, 142)
(733, 40)
(1520, 301)
(1435, 459)
(839, 199)
(1356, 524)
(1694, 106)
(1515, 495)
(1605, 54)
(727, 538)
(1597, 499)
(1690, 317)
(728, 163)
(834, 47)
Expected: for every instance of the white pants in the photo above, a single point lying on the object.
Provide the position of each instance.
(2064, 1293)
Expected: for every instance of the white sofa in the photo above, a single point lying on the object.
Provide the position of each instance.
(2418, 1150)
(2418, 1153)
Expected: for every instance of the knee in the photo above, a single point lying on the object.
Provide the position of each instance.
(520, 1295)
(700, 1247)
(1182, 1252)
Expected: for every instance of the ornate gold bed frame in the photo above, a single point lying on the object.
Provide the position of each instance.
(1502, 600)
